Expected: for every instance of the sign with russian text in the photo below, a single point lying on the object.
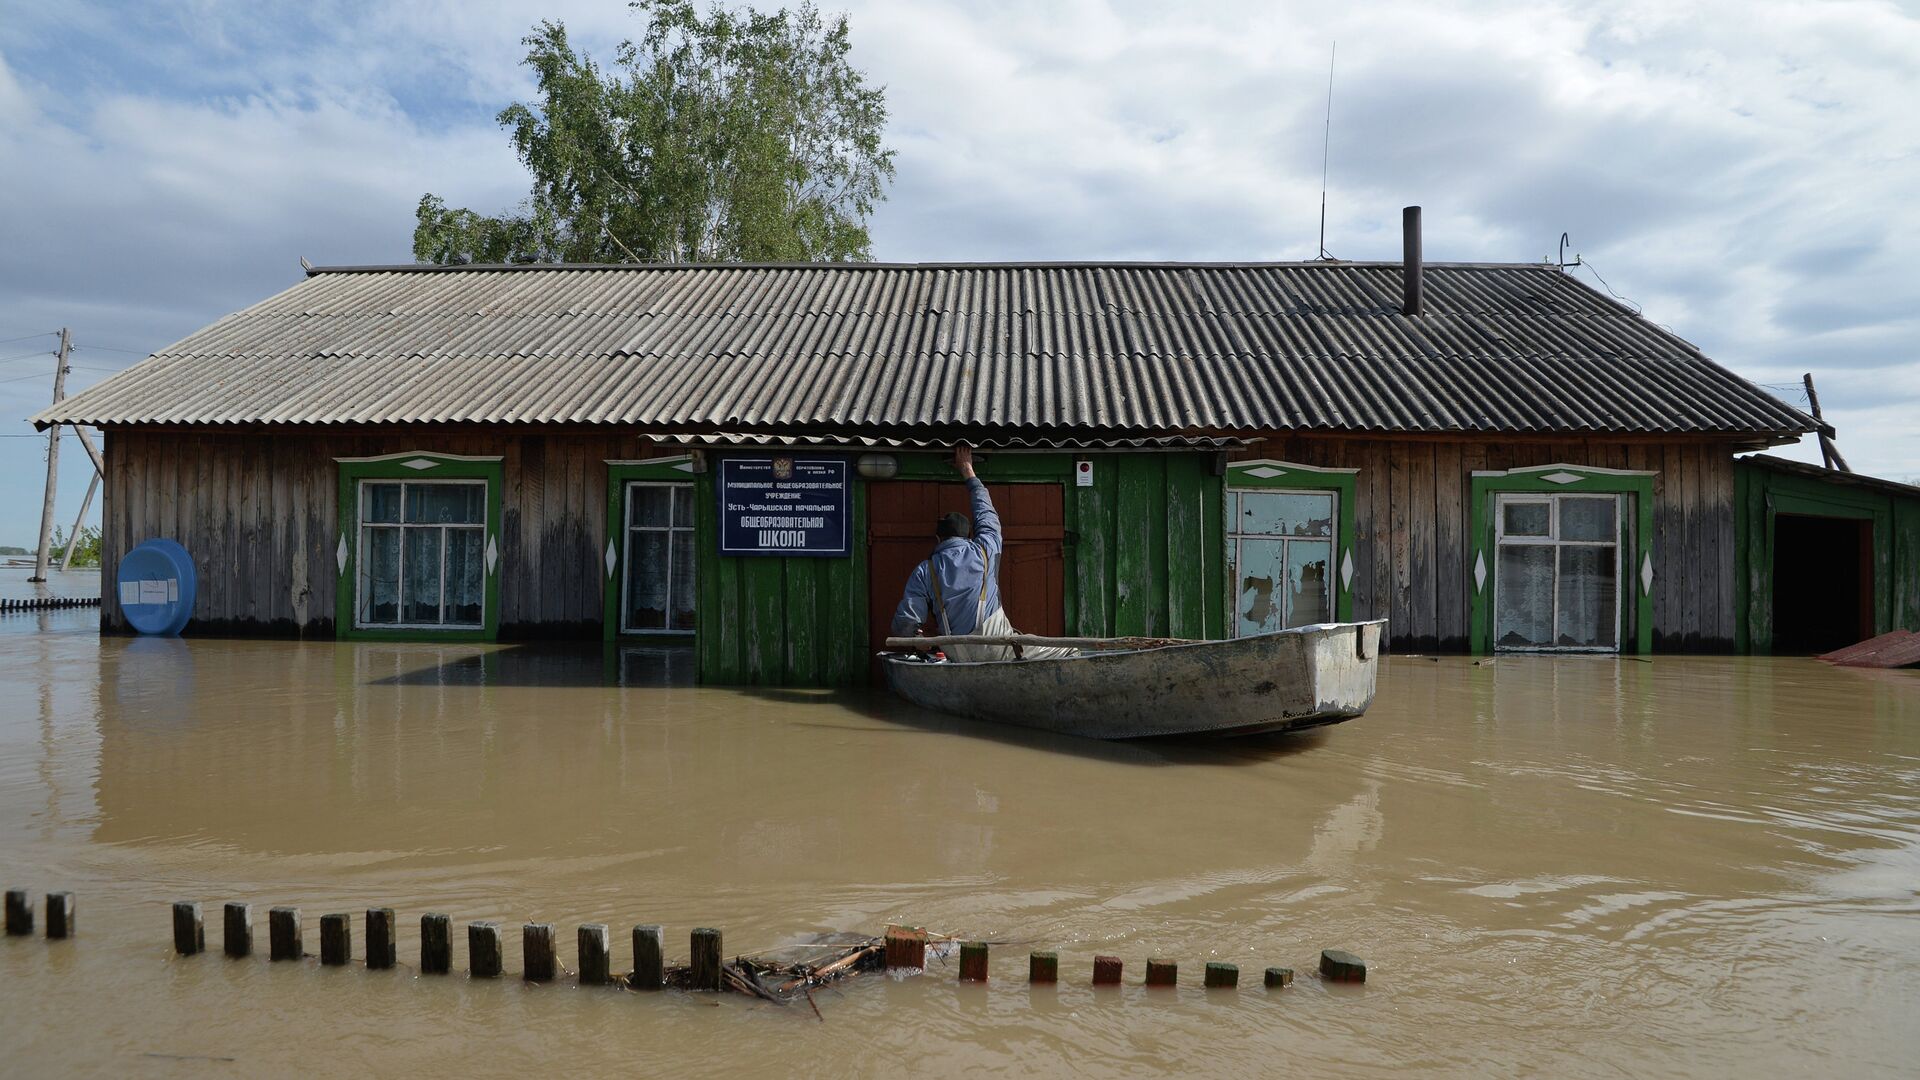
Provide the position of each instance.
(784, 506)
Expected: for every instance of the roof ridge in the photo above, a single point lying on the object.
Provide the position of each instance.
(1011, 264)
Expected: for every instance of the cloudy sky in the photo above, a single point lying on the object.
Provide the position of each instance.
(1744, 171)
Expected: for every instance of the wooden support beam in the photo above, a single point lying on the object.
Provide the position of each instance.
(706, 958)
(906, 947)
(336, 939)
(19, 913)
(1043, 968)
(382, 951)
(536, 952)
(1337, 965)
(236, 923)
(649, 958)
(60, 915)
(485, 958)
(436, 943)
(973, 961)
(189, 934)
(284, 934)
(596, 954)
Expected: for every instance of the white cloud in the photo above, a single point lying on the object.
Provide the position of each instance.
(1743, 170)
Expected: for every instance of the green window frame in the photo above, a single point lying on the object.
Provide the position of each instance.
(1634, 553)
(677, 470)
(415, 467)
(1268, 475)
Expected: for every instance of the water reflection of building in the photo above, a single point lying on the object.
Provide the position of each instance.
(1488, 455)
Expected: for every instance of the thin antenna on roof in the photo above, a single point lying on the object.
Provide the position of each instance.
(1566, 241)
(1326, 148)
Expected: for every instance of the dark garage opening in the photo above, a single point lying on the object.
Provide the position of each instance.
(1822, 583)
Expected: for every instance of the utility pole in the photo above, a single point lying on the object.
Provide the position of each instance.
(53, 460)
(1829, 453)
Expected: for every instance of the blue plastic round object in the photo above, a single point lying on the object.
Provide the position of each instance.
(156, 587)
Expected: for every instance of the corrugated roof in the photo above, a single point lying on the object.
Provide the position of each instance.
(899, 349)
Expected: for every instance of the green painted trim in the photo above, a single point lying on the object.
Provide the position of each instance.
(1594, 481)
(1762, 495)
(393, 467)
(1291, 477)
(666, 470)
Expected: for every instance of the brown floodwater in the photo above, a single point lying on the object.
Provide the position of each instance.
(1574, 867)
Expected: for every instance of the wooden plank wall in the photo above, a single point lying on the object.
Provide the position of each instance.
(1412, 517)
(260, 516)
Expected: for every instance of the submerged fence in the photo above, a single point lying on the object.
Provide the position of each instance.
(47, 603)
(902, 949)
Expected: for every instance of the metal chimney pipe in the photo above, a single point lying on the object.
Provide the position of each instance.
(1411, 267)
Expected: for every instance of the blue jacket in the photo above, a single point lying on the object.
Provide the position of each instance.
(963, 572)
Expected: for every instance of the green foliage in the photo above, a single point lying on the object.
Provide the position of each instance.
(729, 136)
(85, 553)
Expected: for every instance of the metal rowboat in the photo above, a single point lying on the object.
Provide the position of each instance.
(1290, 679)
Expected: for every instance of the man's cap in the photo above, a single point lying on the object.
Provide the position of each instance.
(954, 524)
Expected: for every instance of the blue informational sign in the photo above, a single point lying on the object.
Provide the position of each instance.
(784, 506)
(156, 582)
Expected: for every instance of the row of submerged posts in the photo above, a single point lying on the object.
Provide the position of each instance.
(904, 949)
(48, 603)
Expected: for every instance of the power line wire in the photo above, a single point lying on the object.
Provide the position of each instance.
(29, 337)
(26, 356)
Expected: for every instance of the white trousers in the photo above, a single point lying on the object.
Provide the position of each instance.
(998, 625)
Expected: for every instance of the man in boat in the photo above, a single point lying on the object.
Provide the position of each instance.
(960, 582)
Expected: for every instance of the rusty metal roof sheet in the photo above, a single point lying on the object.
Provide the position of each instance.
(906, 350)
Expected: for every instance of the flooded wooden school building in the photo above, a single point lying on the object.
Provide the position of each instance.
(752, 457)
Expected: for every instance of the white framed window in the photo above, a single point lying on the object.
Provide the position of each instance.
(656, 591)
(1556, 577)
(422, 562)
(1282, 543)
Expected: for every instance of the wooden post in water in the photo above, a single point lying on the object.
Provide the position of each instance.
(596, 954)
(1043, 967)
(485, 958)
(189, 935)
(1337, 965)
(59, 915)
(649, 958)
(536, 952)
(283, 934)
(336, 940)
(1106, 971)
(973, 961)
(1222, 976)
(1279, 978)
(906, 947)
(436, 943)
(236, 921)
(381, 951)
(19, 913)
(706, 958)
(1162, 973)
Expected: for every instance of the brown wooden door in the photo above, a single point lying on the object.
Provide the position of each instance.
(1033, 567)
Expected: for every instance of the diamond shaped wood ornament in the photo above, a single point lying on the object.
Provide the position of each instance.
(611, 560)
(1561, 477)
(420, 463)
(493, 555)
(1266, 472)
(1479, 570)
(340, 554)
(1646, 573)
(1346, 569)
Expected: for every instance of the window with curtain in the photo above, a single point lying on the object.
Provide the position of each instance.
(422, 561)
(1282, 543)
(657, 593)
(1556, 576)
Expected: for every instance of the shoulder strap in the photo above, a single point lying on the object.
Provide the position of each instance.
(939, 602)
(989, 571)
